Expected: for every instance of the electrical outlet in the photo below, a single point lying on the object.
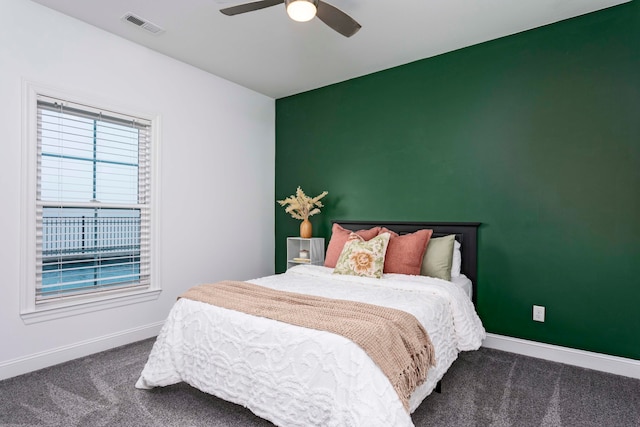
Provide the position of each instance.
(538, 313)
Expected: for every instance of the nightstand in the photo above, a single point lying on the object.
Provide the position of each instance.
(314, 247)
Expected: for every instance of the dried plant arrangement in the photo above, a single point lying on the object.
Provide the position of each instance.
(300, 206)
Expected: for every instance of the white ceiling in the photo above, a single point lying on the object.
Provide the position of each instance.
(266, 51)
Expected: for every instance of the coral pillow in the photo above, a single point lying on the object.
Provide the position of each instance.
(405, 252)
(339, 237)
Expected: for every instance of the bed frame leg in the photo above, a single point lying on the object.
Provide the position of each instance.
(439, 387)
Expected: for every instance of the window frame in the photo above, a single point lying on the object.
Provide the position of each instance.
(30, 310)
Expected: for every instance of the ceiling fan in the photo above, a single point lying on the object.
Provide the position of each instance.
(302, 11)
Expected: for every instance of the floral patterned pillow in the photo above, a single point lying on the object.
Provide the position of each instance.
(363, 258)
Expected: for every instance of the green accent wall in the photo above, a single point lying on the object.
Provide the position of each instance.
(535, 135)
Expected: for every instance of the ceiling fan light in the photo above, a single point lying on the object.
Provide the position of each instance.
(301, 10)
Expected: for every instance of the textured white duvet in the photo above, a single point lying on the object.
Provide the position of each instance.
(295, 376)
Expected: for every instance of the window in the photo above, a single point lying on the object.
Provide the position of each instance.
(92, 218)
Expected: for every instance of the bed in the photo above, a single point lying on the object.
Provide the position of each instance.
(295, 376)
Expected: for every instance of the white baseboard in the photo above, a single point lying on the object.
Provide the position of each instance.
(33, 362)
(584, 359)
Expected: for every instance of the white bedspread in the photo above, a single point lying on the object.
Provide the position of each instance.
(295, 376)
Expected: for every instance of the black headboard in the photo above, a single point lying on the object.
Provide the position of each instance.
(466, 233)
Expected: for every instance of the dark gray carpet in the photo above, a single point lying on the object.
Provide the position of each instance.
(482, 388)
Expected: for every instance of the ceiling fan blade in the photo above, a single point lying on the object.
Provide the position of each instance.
(337, 19)
(249, 7)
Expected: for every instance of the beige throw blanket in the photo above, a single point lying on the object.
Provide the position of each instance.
(394, 339)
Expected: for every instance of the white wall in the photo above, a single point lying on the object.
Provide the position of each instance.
(217, 174)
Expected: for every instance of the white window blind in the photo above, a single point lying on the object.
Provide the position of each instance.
(93, 200)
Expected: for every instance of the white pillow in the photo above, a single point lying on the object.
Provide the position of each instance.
(456, 262)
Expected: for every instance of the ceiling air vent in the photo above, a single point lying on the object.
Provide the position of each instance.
(143, 23)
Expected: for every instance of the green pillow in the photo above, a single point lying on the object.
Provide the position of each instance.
(438, 257)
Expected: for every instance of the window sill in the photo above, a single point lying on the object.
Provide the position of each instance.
(60, 309)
